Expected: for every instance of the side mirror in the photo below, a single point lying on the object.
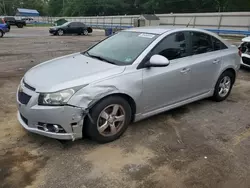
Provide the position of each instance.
(158, 61)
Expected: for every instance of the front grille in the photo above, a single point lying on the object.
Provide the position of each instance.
(246, 60)
(23, 97)
(25, 120)
(28, 86)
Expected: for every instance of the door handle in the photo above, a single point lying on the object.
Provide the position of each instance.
(185, 70)
(216, 61)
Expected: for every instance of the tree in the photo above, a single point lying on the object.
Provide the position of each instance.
(9, 7)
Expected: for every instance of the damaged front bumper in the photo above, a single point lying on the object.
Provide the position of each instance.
(40, 120)
(245, 60)
(244, 50)
(59, 122)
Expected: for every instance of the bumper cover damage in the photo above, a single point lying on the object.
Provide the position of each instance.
(69, 118)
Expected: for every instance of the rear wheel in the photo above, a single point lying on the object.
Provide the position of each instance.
(223, 86)
(20, 25)
(1, 34)
(60, 32)
(111, 117)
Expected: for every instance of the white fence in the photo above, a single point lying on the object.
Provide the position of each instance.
(234, 21)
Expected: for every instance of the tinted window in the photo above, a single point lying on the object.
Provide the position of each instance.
(201, 43)
(173, 46)
(218, 45)
(9, 18)
(81, 24)
(74, 24)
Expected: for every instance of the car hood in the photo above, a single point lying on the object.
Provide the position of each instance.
(69, 71)
(246, 39)
(55, 27)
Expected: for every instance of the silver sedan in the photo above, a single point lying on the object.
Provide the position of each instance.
(127, 77)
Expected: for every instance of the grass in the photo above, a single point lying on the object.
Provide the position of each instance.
(39, 25)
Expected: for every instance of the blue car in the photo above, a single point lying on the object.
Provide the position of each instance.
(4, 28)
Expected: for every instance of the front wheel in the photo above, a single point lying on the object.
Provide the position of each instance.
(1, 34)
(60, 32)
(110, 119)
(223, 86)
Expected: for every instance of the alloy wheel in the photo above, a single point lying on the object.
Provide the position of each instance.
(224, 86)
(111, 120)
(85, 32)
(60, 32)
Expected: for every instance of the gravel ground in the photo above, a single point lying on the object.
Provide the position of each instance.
(201, 145)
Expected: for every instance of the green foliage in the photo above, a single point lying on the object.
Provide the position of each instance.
(121, 7)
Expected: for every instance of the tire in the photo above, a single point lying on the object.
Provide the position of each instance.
(90, 30)
(223, 86)
(60, 32)
(20, 25)
(1, 34)
(85, 32)
(105, 108)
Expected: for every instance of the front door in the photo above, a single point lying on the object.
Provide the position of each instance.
(163, 86)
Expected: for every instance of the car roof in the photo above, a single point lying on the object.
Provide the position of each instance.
(159, 30)
(163, 29)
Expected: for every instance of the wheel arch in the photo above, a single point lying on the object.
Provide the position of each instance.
(233, 71)
(128, 98)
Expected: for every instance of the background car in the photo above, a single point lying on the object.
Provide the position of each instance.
(4, 27)
(244, 52)
(29, 20)
(12, 21)
(71, 28)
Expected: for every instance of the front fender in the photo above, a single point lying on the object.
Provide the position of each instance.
(129, 83)
(88, 96)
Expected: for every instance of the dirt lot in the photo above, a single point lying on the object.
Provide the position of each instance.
(201, 145)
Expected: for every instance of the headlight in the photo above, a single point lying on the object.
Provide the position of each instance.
(58, 98)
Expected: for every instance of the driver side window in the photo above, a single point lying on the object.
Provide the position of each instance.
(173, 46)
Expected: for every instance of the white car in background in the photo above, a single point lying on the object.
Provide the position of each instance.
(29, 20)
(244, 52)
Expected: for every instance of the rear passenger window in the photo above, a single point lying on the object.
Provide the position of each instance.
(218, 45)
(173, 46)
(74, 24)
(201, 43)
(81, 24)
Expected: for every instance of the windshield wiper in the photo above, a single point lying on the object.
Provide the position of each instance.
(100, 58)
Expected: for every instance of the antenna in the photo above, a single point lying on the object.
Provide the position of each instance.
(189, 21)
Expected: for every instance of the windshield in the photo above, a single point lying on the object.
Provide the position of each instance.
(122, 48)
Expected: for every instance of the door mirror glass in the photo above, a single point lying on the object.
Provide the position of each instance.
(158, 61)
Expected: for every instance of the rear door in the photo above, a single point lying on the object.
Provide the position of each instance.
(72, 29)
(82, 26)
(206, 62)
